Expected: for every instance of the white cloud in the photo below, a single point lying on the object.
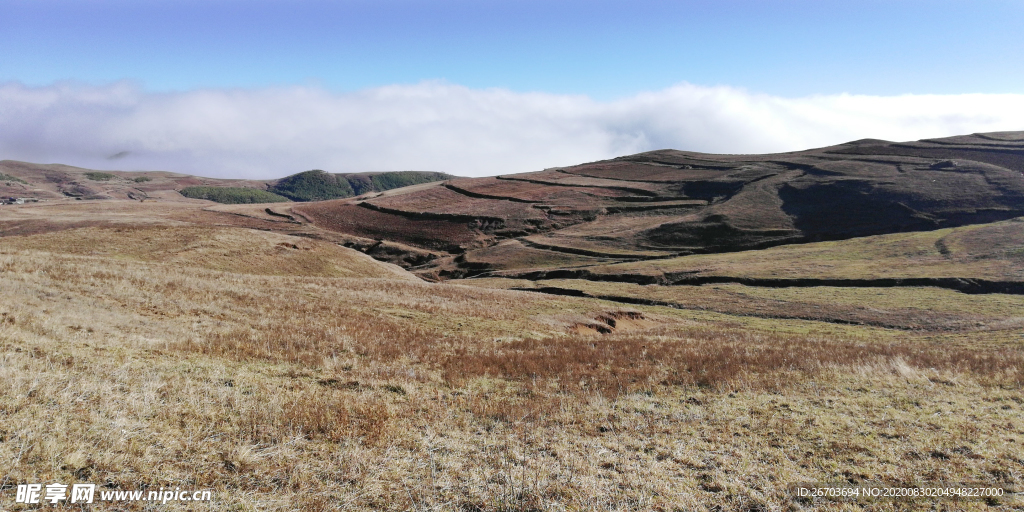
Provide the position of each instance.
(435, 126)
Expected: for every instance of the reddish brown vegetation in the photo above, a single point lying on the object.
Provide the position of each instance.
(611, 364)
(344, 217)
(441, 200)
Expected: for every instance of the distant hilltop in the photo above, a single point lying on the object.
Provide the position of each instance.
(54, 181)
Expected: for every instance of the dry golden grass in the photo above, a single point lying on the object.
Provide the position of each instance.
(987, 251)
(217, 248)
(327, 393)
(917, 309)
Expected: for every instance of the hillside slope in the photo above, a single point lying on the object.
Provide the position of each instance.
(56, 181)
(991, 252)
(670, 203)
(230, 249)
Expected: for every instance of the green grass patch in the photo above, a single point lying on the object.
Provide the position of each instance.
(363, 183)
(8, 177)
(232, 195)
(100, 176)
(315, 185)
(390, 180)
(142, 179)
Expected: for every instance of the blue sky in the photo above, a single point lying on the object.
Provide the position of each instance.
(600, 48)
(607, 52)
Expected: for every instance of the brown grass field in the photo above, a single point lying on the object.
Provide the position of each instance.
(158, 345)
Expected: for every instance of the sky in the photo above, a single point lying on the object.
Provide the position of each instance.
(262, 89)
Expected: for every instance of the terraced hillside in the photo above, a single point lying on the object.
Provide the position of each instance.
(971, 258)
(964, 279)
(668, 203)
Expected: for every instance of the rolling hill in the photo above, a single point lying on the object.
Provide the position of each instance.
(668, 203)
(56, 181)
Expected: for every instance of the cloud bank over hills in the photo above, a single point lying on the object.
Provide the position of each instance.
(437, 126)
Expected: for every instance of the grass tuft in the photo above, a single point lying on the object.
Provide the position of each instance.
(100, 176)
